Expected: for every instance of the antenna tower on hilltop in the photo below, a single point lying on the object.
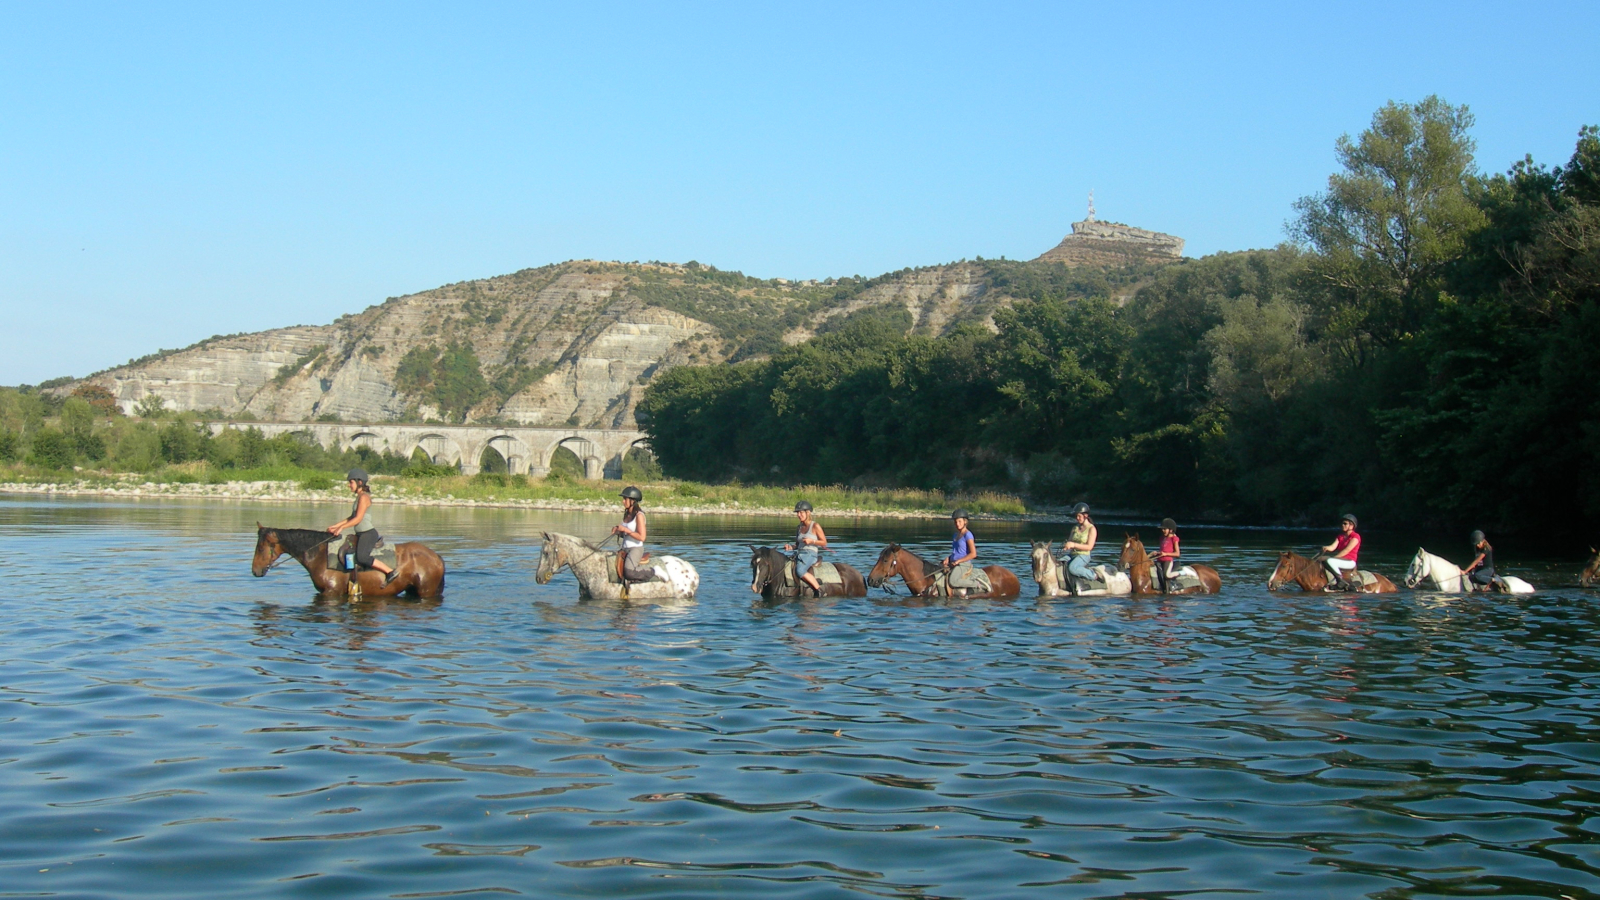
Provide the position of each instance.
(1091, 206)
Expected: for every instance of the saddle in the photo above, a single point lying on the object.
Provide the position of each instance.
(614, 573)
(338, 552)
(1185, 579)
(826, 572)
(1102, 578)
(976, 581)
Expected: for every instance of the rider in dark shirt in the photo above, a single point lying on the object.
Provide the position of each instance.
(1481, 569)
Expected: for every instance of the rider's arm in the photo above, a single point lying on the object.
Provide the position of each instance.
(1476, 562)
(817, 537)
(362, 502)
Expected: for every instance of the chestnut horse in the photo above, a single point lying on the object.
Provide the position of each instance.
(418, 570)
(923, 577)
(1591, 573)
(766, 578)
(1136, 562)
(1310, 575)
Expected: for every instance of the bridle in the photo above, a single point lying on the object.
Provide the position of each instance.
(284, 555)
(573, 562)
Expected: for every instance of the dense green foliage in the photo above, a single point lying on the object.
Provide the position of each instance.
(451, 380)
(1423, 354)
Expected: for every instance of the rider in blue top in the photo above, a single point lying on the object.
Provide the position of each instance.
(963, 550)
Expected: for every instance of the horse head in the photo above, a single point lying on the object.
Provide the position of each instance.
(760, 567)
(1043, 563)
(1283, 571)
(887, 566)
(1591, 573)
(552, 557)
(1132, 552)
(267, 550)
(1419, 567)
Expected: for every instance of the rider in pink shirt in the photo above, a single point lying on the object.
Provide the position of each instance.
(1344, 549)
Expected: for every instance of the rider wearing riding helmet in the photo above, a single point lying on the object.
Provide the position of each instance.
(1166, 558)
(1079, 544)
(633, 533)
(963, 550)
(1345, 548)
(1481, 569)
(809, 542)
(366, 533)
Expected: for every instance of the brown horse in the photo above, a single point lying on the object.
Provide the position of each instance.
(766, 578)
(1591, 572)
(419, 570)
(1310, 575)
(924, 577)
(1136, 562)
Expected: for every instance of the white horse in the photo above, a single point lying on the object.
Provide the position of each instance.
(595, 568)
(1439, 574)
(1049, 574)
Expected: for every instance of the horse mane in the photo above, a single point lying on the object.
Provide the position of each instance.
(296, 541)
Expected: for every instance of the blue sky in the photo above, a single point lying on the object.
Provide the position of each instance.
(174, 171)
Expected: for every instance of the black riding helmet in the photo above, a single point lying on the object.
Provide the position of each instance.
(1169, 524)
(802, 506)
(358, 475)
(1351, 518)
(1477, 538)
(632, 493)
(960, 514)
(1081, 508)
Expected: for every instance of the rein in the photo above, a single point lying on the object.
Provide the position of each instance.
(595, 552)
(284, 556)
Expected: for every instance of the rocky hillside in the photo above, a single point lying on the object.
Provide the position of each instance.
(569, 343)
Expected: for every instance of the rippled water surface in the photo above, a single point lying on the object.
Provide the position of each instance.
(172, 727)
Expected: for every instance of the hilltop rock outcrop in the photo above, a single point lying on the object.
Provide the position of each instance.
(1096, 243)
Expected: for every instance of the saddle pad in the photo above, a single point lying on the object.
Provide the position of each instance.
(969, 578)
(1186, 579)
(1363, 578)
(382, 553)
(826, 572)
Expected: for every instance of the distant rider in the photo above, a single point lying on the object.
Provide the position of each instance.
(809, 542)
(633, 533)
(963, 550)
(1481, 569)
(1166, 559)
(1079, 544)
(1345, 548)
(366, 533)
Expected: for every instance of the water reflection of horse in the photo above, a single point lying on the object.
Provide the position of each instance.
(767, 578)
(1439, 574)
(922, 576)
(1310, 576)
(418, 570)
(1591, 573)
(594, 568)
(1136, 562)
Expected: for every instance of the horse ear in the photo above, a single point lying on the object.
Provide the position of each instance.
(546, 535)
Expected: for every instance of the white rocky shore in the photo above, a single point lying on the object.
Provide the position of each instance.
(291, 492)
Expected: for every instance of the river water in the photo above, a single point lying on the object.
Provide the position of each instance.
(172, 727)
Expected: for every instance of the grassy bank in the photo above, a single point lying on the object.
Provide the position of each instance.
(276, 482)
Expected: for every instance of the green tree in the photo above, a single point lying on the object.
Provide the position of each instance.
(1398, 213)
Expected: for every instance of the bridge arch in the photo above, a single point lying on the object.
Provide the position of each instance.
(587, 451)
(366, 439)
(440, 448)
(517, 454)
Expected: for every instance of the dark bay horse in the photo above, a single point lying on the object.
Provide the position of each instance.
(766, 578)
(419, 570)
(920, 575)
(1311, 576)
(1591, 573)
(1136, 562)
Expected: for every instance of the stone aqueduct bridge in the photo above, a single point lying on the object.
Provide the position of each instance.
(526, 451)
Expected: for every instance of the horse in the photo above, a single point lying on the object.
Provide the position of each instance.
(1049, 573)
(418, 570)
(594, 567)
(766, 578)
(1136, 562)
(1310, 575)
(1591, 573)
(1442, 575)
(897, 560)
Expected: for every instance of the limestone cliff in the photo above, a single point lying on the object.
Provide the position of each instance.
(1096, 243)
(573, 343)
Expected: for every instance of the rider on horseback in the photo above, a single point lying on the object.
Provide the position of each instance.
(1166, 559)
(1079, 544)
(1345, 548)
(366, 533)
(630, 558)
(809, 542)
(963, 550)
(1481, 569)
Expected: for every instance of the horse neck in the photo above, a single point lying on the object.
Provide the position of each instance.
(774, 563)
(315, 560)
(587, 562)
(907, 561)
(1307, 572)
